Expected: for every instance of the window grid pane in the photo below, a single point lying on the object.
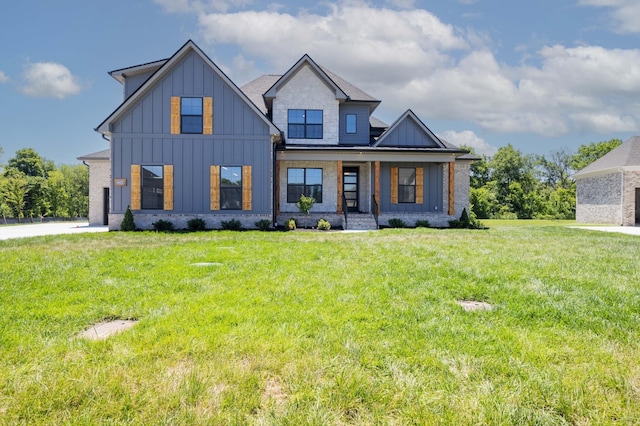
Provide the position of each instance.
(230, 188)
(152, 187)
(304, 182)
(304, 124)
(350, 123)
(406, 185)
(191, 115)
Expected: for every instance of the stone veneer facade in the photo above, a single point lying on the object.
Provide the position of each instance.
(306, 91)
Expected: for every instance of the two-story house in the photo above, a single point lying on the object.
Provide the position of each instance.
(187, 142)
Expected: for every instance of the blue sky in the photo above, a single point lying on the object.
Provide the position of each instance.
(543, 76)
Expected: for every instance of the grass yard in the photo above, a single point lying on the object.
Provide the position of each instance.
(319, 328)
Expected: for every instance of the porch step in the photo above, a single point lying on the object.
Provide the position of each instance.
(361, 222)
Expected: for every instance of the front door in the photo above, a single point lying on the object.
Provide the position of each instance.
(350, 188)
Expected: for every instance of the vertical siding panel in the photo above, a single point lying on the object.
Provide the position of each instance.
(197, 171)
(246, 188)
(147, 113)
(277, 189)
(394, 185)
(168, 186)
(135, 187)
(136, 119)
(419, 185)
(175, 115)
(214, 187)
(207, 115)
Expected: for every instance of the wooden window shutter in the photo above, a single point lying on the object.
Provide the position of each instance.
(135, 187)
(175, 115)
(207, 115)
(246, 188)
(394, 185)
(214, 191)
(419, 185)
(168, 186)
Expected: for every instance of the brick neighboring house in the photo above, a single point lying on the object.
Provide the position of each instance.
(188, 143)
(99, 184)
(608, 190)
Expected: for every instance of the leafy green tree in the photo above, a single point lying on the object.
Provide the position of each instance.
(587, 154)
(30, 163)
(14, 190)
(480, 171)
(76, 184)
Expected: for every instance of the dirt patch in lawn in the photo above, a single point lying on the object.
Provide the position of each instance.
(474, 305)
(104, 329)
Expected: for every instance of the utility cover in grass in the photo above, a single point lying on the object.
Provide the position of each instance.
(206, 264)
(105, 329)
(473, 305)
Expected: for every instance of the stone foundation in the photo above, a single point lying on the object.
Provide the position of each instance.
(145, 221)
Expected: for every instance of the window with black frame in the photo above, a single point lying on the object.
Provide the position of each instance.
(231, 188)
(350, 123)
(191, 115)
(306, 182)
(152, 187)
(304, 124)
(406, 185)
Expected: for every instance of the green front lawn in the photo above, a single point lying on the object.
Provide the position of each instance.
(323, 328)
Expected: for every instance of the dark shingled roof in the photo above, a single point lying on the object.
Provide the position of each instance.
(258, 87)
(100, 155)
(626, 155)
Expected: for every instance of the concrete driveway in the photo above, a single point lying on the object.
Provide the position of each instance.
(50, 228)
(630, 230)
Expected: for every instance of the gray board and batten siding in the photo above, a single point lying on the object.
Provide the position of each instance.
(241, 136)
(432, 189)
(362, 135)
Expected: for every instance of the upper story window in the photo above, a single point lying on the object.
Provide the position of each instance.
(305, 124)
(152, 187)
(191, 115)
(350, 124)
(406, 185)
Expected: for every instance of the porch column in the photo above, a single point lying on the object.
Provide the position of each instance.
(277, 187)
(452, 175)
(339, 184)
(376, 184)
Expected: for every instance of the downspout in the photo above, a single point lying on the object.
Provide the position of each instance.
(274, 219)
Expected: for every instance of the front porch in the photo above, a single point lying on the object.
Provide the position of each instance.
(362, 194)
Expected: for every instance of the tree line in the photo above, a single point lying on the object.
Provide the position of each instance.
(512, 185)
(33, 188)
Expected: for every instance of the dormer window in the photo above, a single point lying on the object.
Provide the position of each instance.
(350, 124)
(305, 124)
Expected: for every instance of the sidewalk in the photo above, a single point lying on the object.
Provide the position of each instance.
(50, 228)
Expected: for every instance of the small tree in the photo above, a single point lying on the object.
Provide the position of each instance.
(127, 223)
(305, 204)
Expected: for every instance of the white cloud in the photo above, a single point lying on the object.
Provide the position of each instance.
(3, 77)
(49, 80)
(411, 59)
(469, 138)
(625, 13)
